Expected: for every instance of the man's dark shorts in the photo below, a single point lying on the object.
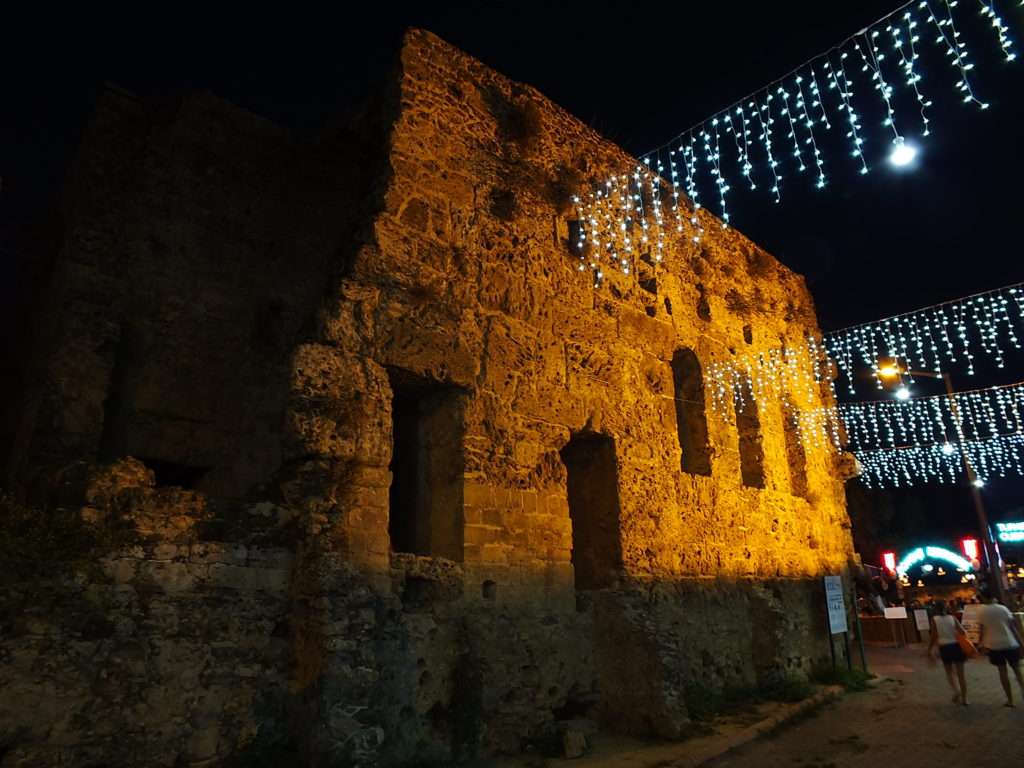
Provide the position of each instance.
(1006, 656)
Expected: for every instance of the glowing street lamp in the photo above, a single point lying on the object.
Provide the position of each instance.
(889, 371)
(902, 154)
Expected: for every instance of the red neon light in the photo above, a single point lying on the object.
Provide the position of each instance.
(970, 548)
(889, 560)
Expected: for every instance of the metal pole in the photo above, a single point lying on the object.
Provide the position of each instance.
(995, 573)
(860, 631)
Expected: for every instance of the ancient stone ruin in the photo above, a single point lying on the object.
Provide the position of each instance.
(351, 461)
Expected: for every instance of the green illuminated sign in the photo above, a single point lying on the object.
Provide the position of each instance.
(1010, 532)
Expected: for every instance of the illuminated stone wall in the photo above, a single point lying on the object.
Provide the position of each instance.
(400, 300)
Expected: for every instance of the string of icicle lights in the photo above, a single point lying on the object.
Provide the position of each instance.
(775, 131)
(769, 374)
(967, 416)
(947, 336)
(993, 457)
(934, 338)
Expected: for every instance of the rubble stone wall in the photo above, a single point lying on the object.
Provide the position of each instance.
(239, 311)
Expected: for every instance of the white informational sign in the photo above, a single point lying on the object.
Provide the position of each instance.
(971, 625)
(921, 619)
(899, 612)
(836, 604)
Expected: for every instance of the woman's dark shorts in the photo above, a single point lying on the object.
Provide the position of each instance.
(952, 653)
(1006, 656)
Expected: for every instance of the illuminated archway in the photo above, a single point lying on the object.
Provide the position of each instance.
(919, 555)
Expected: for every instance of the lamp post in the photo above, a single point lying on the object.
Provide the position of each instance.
(894, 371)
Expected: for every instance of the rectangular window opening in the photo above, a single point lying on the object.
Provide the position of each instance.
(593, 491)
(427, 463)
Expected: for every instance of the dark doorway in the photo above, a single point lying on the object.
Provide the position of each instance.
(427, 464)
(691, 420)
(593, 489)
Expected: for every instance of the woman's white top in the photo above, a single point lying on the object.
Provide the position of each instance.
(945, 630)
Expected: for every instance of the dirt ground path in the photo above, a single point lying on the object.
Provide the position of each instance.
(906, 722)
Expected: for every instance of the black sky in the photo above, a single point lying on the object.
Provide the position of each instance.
(869, 246)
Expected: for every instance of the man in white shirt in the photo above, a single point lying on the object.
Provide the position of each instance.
(1000, 635)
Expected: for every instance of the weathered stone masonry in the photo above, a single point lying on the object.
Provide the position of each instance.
(403, 482)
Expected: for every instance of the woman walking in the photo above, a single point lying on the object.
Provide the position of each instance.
(944, 634)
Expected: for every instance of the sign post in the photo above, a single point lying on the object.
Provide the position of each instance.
(836, 605)
(897, 613)
(921, 621)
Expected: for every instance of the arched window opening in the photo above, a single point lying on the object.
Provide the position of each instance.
(796, 455)
(748, 423)
(691, 419)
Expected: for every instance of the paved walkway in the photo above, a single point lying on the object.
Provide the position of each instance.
(908, 722)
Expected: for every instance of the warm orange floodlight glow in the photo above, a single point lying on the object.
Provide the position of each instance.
(889, 371)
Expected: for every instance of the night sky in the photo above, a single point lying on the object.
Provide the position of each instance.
(869, 246)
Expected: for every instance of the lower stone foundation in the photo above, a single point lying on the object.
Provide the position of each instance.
(163, 656)
(219, 654)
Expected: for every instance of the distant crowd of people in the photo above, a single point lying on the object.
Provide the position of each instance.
(878, 592)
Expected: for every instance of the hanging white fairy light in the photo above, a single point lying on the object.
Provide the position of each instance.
(934, 337)
(871, 58)
(768, 374)
(617, 226)
(638, 207)
(791, 135)
(956, 49)
(901, 467)
(808, 123)
(988, 9)
(765, 121)
(690, 161)
(714, 160)
(906, 49)
(654, 183)
(839, 82)
(818, 102)
(677, 208)
(880, 424)
(741, 137)
(929, 339)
